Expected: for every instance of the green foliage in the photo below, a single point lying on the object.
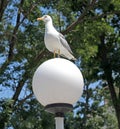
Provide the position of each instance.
(31, 115)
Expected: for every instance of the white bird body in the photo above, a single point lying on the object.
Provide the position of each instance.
(54, 41)
(51, 38)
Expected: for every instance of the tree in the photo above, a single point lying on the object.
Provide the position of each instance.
(92, 111)
(92, 29)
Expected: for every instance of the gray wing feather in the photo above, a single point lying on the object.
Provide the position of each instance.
(64, 42)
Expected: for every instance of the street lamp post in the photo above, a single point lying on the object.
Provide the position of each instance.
(57, 85)
(59, 121)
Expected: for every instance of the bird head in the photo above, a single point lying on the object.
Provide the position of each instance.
(45, 18)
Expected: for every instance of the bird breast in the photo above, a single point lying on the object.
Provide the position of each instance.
(52, 42)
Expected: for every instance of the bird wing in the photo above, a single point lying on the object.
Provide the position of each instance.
(64, 43)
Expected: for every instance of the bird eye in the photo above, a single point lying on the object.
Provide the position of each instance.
(45, 16)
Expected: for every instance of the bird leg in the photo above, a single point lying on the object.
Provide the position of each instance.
(57, 52)
(54, 53)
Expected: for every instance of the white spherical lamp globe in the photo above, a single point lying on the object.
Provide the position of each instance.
(57, 82)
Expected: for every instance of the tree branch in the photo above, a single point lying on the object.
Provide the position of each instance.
(26, 76)
(119, 94)
(23, 100)
(3, 5)
(103, 15)
(18, 90)
(12, 41)
(81, 18)
(84, 14)
(108, 75)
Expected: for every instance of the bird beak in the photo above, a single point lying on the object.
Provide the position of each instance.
(39, 19)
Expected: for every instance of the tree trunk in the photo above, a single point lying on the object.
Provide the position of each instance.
(106, 65)
(3, 5)
(115, 100)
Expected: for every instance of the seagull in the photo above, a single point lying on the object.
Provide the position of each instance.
(55, 42)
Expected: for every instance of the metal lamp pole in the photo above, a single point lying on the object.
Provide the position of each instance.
(59, 122)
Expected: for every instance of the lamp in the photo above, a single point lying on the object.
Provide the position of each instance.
(57, 85)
